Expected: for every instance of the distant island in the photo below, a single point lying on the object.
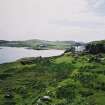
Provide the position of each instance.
(40, 44)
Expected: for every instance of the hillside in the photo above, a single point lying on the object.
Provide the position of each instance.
(69, 79)
(96, 47)
(38, 44)
(98, 42)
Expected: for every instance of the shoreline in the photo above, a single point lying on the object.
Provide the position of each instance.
(38, 53)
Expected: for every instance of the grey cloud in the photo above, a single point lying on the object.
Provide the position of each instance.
(97, 6)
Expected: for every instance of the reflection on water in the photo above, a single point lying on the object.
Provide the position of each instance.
(9, 54)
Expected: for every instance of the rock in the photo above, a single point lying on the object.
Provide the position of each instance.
(46, 98)
(43, 100)
(8, 95)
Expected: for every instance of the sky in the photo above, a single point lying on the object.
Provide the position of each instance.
(78, 20)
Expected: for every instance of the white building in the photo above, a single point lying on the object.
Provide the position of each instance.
(80, 48)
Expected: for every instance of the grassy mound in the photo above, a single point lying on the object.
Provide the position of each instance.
(70, 79)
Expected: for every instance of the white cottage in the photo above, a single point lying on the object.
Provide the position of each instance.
(80, 48)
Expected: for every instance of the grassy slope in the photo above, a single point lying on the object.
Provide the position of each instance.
(69, 80)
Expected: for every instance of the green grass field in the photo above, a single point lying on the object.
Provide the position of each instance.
(70, 79)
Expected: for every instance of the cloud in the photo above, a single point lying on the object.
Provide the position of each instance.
(52, 19)
(97, 6)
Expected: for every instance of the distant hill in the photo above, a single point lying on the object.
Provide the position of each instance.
(96, 47)
(98, 42)
(39, 44)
